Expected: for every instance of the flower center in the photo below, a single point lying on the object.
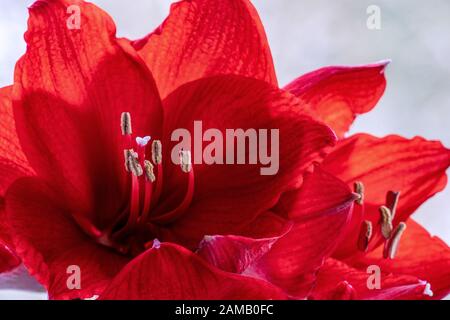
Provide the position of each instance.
(371, 233)
(129, 233)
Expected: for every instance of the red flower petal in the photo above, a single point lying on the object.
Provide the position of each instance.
(228, 197)
(172, 272)
(293, 260)
(48, 241)
(414, 167)
(13, 162)
(320, 210)
(8, 260)
(320, 193)
(203, 38)
(71, 87)
(419, 255)
(235, 253)
(338, 94)
(392, 287)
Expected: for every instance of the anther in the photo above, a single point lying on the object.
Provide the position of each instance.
(386, 222)
(365, 235)
(127, 153)
(359, 189)
(125, 123)
(134, 165)
(185, 161)
(148, 169)
(157, 152)
(391, 247)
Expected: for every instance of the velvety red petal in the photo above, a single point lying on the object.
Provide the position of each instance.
(203, 38)
(70, 89)
(49, 242)
(229, 196)
(420, 255)
(318, 224)
(172, 272)
(338, 94)
(235, 253)
(414, 167)
(392, 287)
(13, 162)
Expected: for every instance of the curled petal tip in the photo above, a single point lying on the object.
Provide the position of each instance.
(383, 63)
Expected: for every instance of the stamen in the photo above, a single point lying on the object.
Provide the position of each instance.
(157, 152)
(392, 198)
(87, 226)
(391, 247)
(127, 153)
(134, 165)
(185, 161)
(159, 182)
(365, 235)
(148, 169)
(359, 189)
(150, 178)
(175, 213)
(125, 123)
(134, 207)
(386, 222)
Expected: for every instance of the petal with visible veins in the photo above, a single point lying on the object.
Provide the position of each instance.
(415, 167)
(202, 38)
(49, 241)
(291, 259)
(228, 197)
(70, 89)
(336, 95)
(392, 287)
(13, 162)
(172, 272)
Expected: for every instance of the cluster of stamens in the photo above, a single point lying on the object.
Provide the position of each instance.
(145, 181)
(384, 229)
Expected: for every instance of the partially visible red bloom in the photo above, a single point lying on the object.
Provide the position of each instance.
(140, 227)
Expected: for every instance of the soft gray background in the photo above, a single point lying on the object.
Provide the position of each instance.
(308, 34)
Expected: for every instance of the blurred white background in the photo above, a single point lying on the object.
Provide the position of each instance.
(308, 34)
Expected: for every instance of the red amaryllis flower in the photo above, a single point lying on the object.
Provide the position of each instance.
(83, 205)
(223, 231)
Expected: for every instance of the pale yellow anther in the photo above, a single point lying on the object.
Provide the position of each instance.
(125, 123)
(126, 155)
(185, 161)
(133, 164)
(148, 169)
(386, 222)
(156, 152)
(359, 189)
(391, 247)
